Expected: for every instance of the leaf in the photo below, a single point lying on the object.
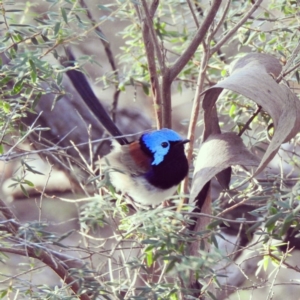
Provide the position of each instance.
(217, 153)
(64, 15)
(253, 77)
(33, 72)
(17, 87)
(34, 41)
(36, 100)
(56, 28)
(6, 107)
(24, 191)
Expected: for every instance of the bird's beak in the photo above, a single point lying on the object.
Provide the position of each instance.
(182, 142)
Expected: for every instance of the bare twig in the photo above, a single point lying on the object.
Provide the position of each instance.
(193, 13)
(285, 71)
(246, 126)
(171, 73)
(236, 27)
(221, 21)
(195, 112)
(149, 48)
(51, 262)
(199, 36)
(110, 58)
(157, 48)
(12, 225)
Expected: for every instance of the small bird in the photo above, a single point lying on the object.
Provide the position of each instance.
(149, 169)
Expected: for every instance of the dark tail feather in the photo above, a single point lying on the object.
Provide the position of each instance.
(83, 88)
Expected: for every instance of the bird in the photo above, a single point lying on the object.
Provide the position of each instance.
(148, 169)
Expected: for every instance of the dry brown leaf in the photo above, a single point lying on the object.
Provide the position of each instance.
(217, 153)
(253, 77)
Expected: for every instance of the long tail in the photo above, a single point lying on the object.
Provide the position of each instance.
(83, 88)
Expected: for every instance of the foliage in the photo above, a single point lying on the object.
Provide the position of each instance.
(149, 253)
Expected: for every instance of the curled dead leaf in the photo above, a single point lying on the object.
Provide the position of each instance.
(253, 76)
(217, 153)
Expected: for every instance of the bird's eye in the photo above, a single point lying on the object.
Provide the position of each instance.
(164, 144)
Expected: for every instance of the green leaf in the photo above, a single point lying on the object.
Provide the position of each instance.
(14, 10)
(6, 107)
(149, 258)
(56, 28)
(103, 7)
(29, 183)
(232, 111)
(34, 41)
(271, 221)
(266, 260)
(253, 227)
(20, 25)
(33, 73)
(3, 293)
(146, 89)
(24, 191)
(45, 38)
(56, 99)
(171, 265)
(30, 169)
(64, 15)
(17, 87)
(297, 76)
(1, 149)
(262, 37)
(36, 100)
(5, 80)
(101, 35)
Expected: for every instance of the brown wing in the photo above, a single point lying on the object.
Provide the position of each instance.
(140, 158)
(129, 158)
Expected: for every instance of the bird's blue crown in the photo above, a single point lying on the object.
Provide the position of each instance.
(158, 142)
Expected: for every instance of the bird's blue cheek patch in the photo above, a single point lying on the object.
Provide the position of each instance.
(157, 159)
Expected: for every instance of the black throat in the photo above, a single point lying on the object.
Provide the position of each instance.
(172, 170)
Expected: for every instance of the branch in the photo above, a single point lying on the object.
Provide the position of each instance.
(200, 34)
(12, 226)
(110, 57)
(149, 48)
(51, 259)
(236, 27)
(51, 262)
(195, 113)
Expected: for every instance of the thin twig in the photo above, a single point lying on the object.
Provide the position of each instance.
(110, 58)
(221, 21)
(288, 64)
(149, 21)
(193, 13)
(195, 113)
(51, 262)
(197, 40)
(204, 215)
(247, 124)
(236, 27)
(155, 87)
(13, 225)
